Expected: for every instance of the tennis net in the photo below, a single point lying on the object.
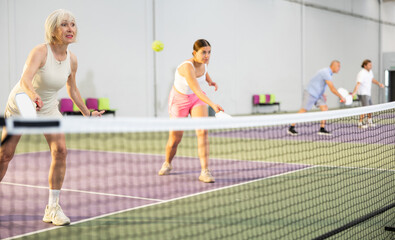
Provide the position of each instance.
(268, 184)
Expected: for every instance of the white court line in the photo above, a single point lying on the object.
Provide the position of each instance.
(359, 168)
(180, 156)
(229, 159)
(165, 201)
(31, 233)
(24, 153)
(88, 192)
(222, 159)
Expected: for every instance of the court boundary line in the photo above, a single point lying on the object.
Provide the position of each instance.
(87, 192)
(162, 155)
(360, 168)
(221, 159)
(230, 159)
(163, 202)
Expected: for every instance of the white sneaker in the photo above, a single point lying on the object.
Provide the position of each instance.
(165, 170)
(205, 176)
(54, 214)
(361, 125)
(370, 123)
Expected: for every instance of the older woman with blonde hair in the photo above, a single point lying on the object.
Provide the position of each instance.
(48, 68)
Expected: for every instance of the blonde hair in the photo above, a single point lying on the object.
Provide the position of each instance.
(54, 20)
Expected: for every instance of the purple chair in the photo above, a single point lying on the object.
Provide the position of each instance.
(268, 98)
(255, 99)
(92, 104)
(66, 106)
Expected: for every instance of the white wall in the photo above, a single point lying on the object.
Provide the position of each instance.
(388, 15)
(270, 46)
(366, 8)
(4, 61)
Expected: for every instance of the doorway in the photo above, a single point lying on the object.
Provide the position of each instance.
(390, 85)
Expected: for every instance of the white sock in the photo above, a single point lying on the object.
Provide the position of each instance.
(53, 196)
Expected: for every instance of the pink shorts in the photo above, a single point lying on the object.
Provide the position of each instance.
(180, 105)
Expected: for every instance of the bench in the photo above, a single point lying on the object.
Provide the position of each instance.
(262, 100)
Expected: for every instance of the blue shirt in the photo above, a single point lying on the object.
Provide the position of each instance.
(317, 84)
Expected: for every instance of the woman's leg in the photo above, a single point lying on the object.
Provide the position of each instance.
(53, 212)
(57, 171)
(7, 151)
(172, 144)
(171, 149)
(202, 136)
(203, 145)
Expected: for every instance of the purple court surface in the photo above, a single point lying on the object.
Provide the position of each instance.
(341, 133)
(98, 183)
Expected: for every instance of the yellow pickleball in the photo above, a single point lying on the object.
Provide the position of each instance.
(157, 46)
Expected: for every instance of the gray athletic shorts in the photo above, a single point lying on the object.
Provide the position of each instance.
(365, 100)
(310, 101)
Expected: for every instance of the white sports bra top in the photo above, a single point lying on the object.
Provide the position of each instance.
(181, 84)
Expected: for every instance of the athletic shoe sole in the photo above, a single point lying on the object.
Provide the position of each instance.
(324, 134)
(292, 134)
(58, 224)
(160, 173)
(206, 180)
(165, 170)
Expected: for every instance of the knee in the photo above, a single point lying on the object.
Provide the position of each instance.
(59, 153)
(174, 141)
(6, 156)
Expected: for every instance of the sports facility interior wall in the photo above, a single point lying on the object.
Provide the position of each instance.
(258, 46)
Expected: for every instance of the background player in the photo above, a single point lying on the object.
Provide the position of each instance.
(363, 88)
(314, 94)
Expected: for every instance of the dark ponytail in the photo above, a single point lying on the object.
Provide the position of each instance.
(200, 43)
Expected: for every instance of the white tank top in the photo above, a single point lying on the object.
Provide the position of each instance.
(47, 82)
(181, 84)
